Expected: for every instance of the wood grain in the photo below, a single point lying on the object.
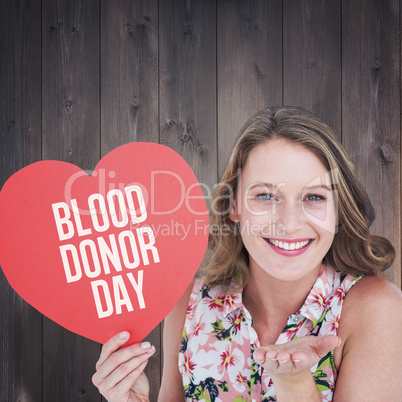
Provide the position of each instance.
(371, 110)
(20, 144)
(187, 47)
(249, 67)
(312, 58)
(129, 73)
(70, 65)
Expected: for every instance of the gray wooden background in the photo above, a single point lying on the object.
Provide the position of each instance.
(81, 77)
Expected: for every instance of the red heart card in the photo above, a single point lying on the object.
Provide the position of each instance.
(108, 252)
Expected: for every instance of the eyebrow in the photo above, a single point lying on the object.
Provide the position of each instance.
(275, 186)
(318, 186)
(260, 184)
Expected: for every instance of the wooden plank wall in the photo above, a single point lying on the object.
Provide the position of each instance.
(81, 77)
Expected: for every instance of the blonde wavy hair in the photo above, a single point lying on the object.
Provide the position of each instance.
(353, 250)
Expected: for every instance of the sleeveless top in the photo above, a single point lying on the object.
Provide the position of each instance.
(218, 341)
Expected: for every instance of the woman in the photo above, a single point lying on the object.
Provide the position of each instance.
(265, 324)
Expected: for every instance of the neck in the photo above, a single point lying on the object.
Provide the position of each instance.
(271, 300)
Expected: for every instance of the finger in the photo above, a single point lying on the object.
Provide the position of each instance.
(111, 346)
(127, 382)
(123, 356)
(272, 354)
(299, 357)
(278, 361)
(130, 368)
(282, 357)
(325, 344)
(259, 356)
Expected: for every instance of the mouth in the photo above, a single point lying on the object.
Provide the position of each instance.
(289, 248)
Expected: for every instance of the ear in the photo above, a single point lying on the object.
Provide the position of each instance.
(233, 214)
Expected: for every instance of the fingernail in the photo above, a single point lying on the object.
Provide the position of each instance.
(151, 350)
(259, 358)
(145, 345)
(123, 334)
(340, 341)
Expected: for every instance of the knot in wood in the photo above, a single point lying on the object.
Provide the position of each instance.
(68, 106)
(188, 30)
(386, 153)
(260, 75)
(129, 29)
(377, 64)
(55, 26)
(184, 138)
(145, 21)
(136, 102)
(83, 393)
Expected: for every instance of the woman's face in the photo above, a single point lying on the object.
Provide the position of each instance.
(286, 209)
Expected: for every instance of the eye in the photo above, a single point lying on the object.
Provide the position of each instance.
(266, 196)
(314, 197)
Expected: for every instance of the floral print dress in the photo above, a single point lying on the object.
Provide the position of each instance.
(218, 341)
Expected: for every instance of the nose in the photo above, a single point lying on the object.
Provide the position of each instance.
(291, 216)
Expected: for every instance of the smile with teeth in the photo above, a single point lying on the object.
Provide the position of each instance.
(289, 246)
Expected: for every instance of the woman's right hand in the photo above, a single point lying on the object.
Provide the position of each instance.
(120, 371)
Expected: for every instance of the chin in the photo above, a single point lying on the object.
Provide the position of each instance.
(289, 272)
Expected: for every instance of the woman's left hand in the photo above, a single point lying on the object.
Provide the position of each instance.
(291, 361)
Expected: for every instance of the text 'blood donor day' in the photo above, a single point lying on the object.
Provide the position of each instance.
(96, 255)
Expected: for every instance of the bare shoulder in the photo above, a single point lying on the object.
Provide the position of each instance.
(379, 286)
(172, 386)
(371, 302)
(370, 359)
(370, 297)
